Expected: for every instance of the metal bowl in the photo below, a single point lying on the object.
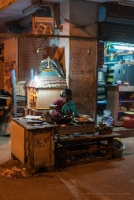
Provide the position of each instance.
(102, 124)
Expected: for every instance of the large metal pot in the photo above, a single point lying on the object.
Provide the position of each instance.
(102, 124)
(101, 76)
(118, 148)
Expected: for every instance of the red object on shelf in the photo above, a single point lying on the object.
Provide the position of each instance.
(128, 121)
(133, 121)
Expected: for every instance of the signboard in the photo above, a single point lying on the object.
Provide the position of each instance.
(43, 25)
(4, 4)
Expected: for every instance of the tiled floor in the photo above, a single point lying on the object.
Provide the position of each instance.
(4, 139)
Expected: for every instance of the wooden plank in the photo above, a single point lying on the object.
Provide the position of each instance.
(86, 151)
(28, 35)
(92, 137)
(87, 128)
(88, 160)
(18, 141)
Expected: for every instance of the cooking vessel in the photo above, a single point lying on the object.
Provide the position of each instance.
(102, 124)
(101, 76)
(62, 119)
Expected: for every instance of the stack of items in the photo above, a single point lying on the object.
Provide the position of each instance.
(104, 129)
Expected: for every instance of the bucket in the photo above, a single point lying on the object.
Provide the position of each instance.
(128, 122)
(119, 82)
(118, 148)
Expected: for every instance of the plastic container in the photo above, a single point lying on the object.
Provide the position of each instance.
(118, 148)
(128, 122)
(126, 83)
(119, 82)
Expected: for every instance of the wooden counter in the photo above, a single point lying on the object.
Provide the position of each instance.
(23, 122)
(32, 145)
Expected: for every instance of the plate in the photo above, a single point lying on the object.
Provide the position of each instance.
(83, 119)
(35, 121)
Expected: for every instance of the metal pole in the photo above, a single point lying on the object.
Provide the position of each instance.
(32, 74)
(13, 78)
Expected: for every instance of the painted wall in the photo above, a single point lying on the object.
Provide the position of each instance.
(10, 61)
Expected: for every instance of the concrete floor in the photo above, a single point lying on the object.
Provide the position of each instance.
(107, 180)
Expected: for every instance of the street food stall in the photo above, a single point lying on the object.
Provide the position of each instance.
(39, 144)
(40, 140)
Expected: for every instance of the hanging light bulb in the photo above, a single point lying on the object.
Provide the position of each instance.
(37, 51)
(35, 76)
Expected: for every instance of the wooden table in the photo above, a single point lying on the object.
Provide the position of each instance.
(76, 147)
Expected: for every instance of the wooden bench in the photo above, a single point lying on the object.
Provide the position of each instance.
(77, 144)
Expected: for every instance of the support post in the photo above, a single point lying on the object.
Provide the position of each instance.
(13, 78)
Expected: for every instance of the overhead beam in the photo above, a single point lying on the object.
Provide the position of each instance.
(9, 35)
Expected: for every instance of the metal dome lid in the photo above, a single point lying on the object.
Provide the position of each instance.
(50, 75)
(47, 79)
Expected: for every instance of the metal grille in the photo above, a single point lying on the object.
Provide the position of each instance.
(21, 104)
(116, 32)
(127, 2)
(118, 25)
(28, 58)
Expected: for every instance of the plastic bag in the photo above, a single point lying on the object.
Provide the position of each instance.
(107, 118)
